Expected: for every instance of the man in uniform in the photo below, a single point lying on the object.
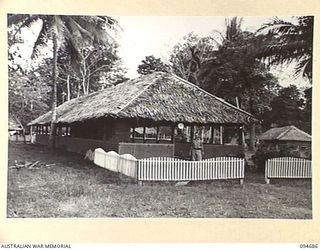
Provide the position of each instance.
(196, 148)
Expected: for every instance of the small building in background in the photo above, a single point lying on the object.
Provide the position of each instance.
(15, 129)
(287, 139)
(14, 126)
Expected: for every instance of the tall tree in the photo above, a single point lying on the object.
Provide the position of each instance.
(307, 111)
(286, 42)
(29, 94)
(187, 58)
(234, 73)
(91, 73)
(151, 64)
(286, 107)
(74, 31)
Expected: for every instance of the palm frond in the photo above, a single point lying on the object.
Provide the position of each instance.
(97, 27)
(304, 67)
(285, 42)
(277, 26)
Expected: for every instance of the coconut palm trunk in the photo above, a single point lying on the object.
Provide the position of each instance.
(52, 137)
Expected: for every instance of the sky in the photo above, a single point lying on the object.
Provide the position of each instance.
(156, 35)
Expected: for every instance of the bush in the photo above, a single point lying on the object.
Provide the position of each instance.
(263, 154)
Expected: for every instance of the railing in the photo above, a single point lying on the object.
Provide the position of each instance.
(170, 169)
(287, 167)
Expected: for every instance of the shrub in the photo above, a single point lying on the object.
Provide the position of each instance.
(264, 154)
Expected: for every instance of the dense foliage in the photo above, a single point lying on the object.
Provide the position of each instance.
(151, 64)
(82, 58)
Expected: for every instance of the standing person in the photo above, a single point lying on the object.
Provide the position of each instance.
(196, 148)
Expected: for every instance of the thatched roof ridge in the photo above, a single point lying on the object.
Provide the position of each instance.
(287, 133)
(159, 97)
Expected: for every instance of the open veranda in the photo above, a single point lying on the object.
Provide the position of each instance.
(62, 184)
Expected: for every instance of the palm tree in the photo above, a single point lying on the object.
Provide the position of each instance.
(287, 42)
(72, 32)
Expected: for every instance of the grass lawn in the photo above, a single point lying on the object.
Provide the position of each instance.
(73, 187)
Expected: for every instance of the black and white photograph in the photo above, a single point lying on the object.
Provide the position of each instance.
(159, 116)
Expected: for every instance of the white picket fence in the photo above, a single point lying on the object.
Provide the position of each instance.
(125, 164)
(287, 167)
(170, 169)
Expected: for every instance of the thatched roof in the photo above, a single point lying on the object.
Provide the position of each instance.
(158, 96)
(14, 123)
(288, 133)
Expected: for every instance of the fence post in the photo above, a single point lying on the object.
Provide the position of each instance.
(241, 181)
(266, 171)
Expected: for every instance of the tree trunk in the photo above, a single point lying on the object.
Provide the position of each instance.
(252, 144)
(79, 88)
(84, 85)
(252, 136)
(54, 93)
(68, 87)
(88, 84)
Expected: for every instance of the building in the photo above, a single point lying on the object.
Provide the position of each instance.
(14, 126)
(289, 139)
(153, 115)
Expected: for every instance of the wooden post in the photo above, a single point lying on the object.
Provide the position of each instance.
(157, 138)
(212, 134)
(144, 134)
(241, 181)
(252, 136)
(266, 173)
(59, 130)
(31, 131)
(221, 135)
(133, 133)
(192, 133)
(172, 133)
(240, 136)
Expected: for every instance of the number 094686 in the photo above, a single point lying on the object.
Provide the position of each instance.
(313, 246)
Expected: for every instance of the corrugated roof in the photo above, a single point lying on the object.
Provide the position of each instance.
(159, 96)
(287, 133)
